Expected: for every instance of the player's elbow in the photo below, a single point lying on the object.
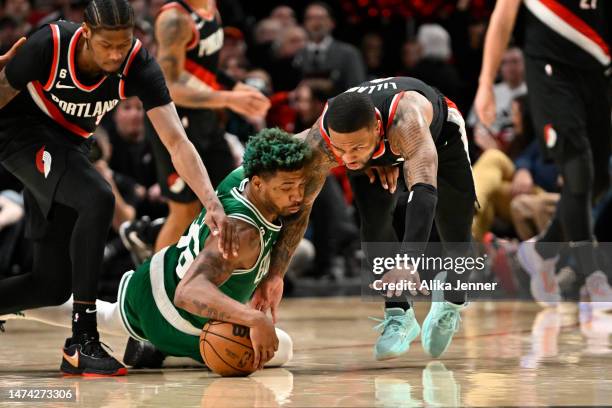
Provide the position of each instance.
(424, 169)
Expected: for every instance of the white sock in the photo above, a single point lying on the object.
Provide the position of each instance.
(109, 320)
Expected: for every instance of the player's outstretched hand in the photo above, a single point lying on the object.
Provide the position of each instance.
(221, 225)
(265, 342)
(485, 105)
(403, 276)
(4, 59)
(268, 295)
(388, 176)
(252, 104)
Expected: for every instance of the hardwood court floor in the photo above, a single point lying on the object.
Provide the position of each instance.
(504, 354)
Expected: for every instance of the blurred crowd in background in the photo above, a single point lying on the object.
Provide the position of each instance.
(299, 54)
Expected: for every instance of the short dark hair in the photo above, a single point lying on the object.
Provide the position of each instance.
(323, 5)
(350, 111)
(271, 150)
(109, 15)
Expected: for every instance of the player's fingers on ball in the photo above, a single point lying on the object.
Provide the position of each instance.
(398, 292)
(256, 355)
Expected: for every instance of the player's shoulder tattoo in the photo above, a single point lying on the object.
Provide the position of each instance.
(172, 28)
(410, 124)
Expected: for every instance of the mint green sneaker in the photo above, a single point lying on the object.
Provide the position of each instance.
(398, 329)
(441, 322)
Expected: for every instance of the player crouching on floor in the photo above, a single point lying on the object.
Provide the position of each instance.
(168, 299)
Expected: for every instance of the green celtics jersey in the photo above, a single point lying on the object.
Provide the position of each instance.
(146, 296)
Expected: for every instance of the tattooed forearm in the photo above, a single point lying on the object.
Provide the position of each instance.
(292, 232)
(210, 312)
(7, 92)
(411, 136)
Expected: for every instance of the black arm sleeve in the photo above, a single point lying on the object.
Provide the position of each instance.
(33, 60)
(146, 81)
(420, 212)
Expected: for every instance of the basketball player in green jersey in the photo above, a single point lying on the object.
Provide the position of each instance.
(169, 298)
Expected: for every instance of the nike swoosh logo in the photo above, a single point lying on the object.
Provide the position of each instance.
(90, 311)
(73, 359)
(60, 86)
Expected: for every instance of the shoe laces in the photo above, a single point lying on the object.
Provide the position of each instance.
(449, 320)
(393, 323)
(93, 347)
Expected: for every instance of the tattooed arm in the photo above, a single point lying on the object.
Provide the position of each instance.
(410, 135)
(198, 292)
(294, 227)
(173, 30)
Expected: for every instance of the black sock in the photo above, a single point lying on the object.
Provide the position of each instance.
(402, 304)
(84, 320)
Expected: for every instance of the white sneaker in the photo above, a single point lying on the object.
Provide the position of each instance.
(600, 291)
(544, 285)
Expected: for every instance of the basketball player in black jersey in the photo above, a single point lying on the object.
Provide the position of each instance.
(190, 37)
(566, 58)
(53, 94)
(393, 124)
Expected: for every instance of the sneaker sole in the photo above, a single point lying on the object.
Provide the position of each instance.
(92, 374)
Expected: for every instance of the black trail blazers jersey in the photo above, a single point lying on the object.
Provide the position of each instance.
(57, 92)
(386, 94)
(202, 54)
(573, 32)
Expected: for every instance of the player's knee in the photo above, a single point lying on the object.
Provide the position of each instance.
(284, 354)
(103, 200)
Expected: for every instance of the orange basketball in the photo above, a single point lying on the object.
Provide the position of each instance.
(227, 349)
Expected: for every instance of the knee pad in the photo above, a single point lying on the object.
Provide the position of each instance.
(284, 354)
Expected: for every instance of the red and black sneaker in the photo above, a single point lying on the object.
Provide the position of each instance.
(86, 356)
